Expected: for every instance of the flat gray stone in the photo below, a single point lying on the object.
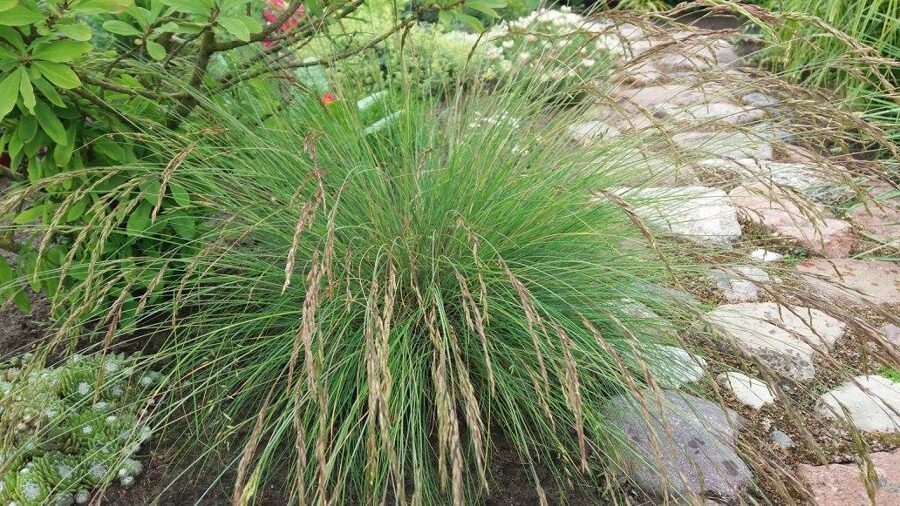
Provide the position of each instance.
(782, 440)
(784, 341)
(810, 179)
(674, 367)
(853, 281)
(749, 391)
(739, 284)
(695, 440)
(724, 144)
(680, 95)
(590, 132)
(812, 226)
(699, 55)
(757, 99)
(710, 113)
(698, 213)
(870, 403)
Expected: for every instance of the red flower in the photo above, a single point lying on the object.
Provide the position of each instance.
(328, 98)
(276, 7)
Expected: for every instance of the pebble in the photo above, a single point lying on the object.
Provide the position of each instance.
(766, 256)
(782, 440)
(738, 284)
(757, 99)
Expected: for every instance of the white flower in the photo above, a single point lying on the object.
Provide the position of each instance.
(509, 43)
(87, 429)
(588, 62)
(127, 481)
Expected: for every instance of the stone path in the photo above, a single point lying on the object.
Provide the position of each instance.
(730, 175)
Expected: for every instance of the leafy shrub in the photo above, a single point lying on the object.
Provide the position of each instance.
(435, 62)
(86, 83)
(70, 427)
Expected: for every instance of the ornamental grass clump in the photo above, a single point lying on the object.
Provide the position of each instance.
(72, 427)
(367, 313)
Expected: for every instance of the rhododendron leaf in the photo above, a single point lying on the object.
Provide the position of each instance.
(235, 27)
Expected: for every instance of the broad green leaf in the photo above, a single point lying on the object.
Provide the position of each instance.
(50, 123)
(20, 16)
(9, 92)
(235, 27)
(471, 21)
(252, 24)
(181, 196)
(21, 300)
(150, 190)
(76, 210)
(12, 36)
(139, 220)
(27, 129)
(27, 92)
(77, 31)
(183, 225)
(200, 7)
(120, 28)
(61, 51)
(62, 153)
(6, 272)
(49, 92)
(156, 50)
(6, 5)
(98, 6)
(59, 74)
(30, 214)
